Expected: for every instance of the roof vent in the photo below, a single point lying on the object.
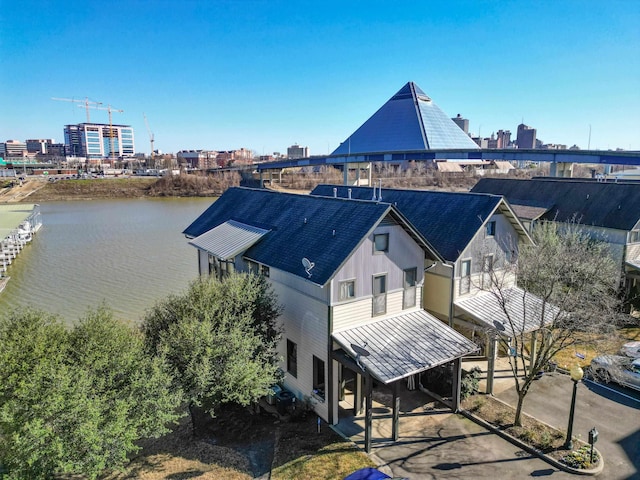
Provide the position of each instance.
(349, 193)
(335, 192)
(334, 233)
(305, 220)
(374, 193)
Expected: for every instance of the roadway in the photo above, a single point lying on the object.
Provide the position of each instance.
(614, 411)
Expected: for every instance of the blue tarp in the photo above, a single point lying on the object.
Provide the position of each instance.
(367, 474)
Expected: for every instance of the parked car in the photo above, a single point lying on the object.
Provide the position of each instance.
(631, 349)
(617, 368)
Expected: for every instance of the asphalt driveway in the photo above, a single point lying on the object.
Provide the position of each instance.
(613, 411)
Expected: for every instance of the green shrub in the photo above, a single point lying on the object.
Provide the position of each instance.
(581, 458)
(470, 382)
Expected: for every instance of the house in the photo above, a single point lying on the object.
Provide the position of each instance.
(604, 210)
(350, 277)
(474, 234)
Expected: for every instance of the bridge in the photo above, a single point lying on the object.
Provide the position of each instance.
(561, 160)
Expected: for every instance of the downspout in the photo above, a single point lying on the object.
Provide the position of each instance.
(451, 290)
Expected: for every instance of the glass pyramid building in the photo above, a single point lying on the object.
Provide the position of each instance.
(409, 121)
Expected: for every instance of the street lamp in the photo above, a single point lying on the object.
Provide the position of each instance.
(576, 375)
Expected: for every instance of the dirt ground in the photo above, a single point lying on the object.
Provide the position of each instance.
(236, 445)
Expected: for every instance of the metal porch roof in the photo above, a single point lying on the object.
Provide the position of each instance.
(633, 264)
(524, 311)
(404, 345)
(228, 239)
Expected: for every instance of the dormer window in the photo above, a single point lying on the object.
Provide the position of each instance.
(380, 243)
(491, 229)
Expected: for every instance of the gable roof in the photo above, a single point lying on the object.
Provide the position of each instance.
(448, 220)
(323, 230)
(409, 120)
(609, 205)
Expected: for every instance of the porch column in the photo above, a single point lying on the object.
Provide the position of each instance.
(335, 392)
(345, 174)
(456, 384)
(369, 414)
(370, 168)
(396, 411)
(261, 180)
(533, 350)
(491, 364)
(357, 175)
(357, 394)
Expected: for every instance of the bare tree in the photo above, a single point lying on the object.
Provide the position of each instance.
(566, 292)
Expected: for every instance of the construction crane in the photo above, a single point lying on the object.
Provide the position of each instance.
(109, 109)
(86, 102)
(151, 138)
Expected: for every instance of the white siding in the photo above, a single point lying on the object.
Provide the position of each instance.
(359, 312)
(305, 321)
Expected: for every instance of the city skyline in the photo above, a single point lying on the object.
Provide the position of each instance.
(267, 75)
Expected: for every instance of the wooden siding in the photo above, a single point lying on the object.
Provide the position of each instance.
(359, 312)
(364, 264)
(633, 251)
(437, 292)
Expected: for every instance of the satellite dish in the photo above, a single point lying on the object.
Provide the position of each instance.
(308, 265)
(499, 325)
(360, 350)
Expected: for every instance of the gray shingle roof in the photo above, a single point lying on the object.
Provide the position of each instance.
(324, 230)
(448, 220)
(404, 345)
(610, 205)
(526, 312)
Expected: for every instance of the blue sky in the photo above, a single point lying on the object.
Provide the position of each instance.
(266, 74)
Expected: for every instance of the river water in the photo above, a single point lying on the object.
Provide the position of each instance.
(128, 253)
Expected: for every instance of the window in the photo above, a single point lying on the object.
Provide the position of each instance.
(292, 358)
(381, 242)
(318, 377)
(409, 297)
(379, 294)
(491, 229)
(465, 276)
(265, 270)
(634, 236)
(347, 289)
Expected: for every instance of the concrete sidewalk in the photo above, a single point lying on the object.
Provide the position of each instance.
(435, 443)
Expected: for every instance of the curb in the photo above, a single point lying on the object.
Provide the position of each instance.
(534, 451)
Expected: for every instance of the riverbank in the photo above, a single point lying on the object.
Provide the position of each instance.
(40, 190)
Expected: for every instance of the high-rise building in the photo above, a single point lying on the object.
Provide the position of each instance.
(526, 136)
(463, 123)
(96, 140)
(296, 151)
(504, 139)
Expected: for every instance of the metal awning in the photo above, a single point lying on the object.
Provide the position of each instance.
(635, 264)
(524, 311)
(228, 239)
(404, 345)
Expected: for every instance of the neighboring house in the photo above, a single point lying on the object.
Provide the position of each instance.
(604, 210)
(349, 275)
(475, 235)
